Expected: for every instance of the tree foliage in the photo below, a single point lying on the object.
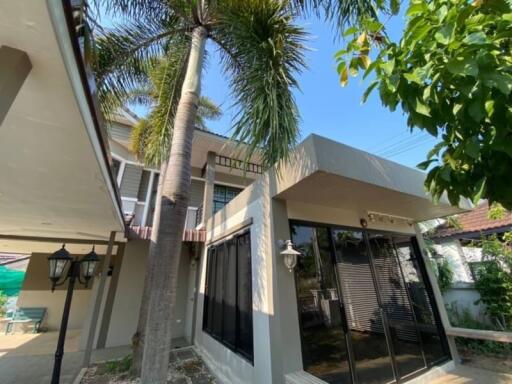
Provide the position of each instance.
(451, 73)
(494, 280)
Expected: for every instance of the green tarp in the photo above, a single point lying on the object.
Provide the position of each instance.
(10, 281)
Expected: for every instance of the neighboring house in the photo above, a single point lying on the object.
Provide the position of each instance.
(459, 245)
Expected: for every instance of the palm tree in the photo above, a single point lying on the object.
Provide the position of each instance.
(150, 141)
(261, 51)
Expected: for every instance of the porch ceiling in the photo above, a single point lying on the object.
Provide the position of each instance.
(331, 174)
(54, 175)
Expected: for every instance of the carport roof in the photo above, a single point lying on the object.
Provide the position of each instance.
(328, 173)
(55, 175)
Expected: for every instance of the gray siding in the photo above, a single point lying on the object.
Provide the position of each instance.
(144, 184)
(131, 181)
(196, 193)
(120, 133)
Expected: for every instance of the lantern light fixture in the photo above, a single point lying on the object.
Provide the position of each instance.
(289, 255)
(58, 262)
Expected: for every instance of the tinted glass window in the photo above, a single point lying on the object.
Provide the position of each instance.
(228, 294)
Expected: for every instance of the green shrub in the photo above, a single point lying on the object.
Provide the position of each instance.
(444, 275)
(494, 281)
(119, 366)
(3, 301)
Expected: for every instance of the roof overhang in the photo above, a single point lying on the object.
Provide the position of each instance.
(327, 173)
(55, 175)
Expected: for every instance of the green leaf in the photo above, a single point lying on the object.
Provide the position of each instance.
(479, 190)
(388, 67)
(489, 107)
(445, 173)
(463, 66)
(472, 148)
(501, 81)
(394, 6)
(343, 74)
(369, 90)
(435, 151)
(340, 53)
(445, 34)
(425, 164)
(415, 9)
(476, 110)
(354, 66)
(456, 108)
(413, 77)
(371, 67)
(350, 31)
(476, 38)
(422, 108)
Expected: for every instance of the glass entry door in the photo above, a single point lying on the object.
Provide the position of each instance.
(365, 312)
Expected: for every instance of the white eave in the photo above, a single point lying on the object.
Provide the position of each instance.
(332, 174)
(55, 176)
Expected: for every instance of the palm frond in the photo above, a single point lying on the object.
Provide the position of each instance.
(262, 52)
(166, 79)
(208, 110)
(343, 12)
(125, 54)
(140, 9)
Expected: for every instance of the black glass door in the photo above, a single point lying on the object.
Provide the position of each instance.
(366, 313)
(324, 340)
(404, 336)
(367, 326)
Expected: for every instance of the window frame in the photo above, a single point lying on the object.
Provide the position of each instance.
(224, 201)
(210, 309)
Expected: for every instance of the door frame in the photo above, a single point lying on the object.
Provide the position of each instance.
(346, 329)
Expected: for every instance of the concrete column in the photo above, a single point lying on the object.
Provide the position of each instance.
(437, 294)
(208, 187)
(109, 301)
(97, 301)
(14, 69)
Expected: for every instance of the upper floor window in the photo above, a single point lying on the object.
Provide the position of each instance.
(222, 195)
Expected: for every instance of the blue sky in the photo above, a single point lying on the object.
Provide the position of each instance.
(328, 109)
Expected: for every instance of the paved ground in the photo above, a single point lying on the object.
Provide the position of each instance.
(28, 358)
(469, 375)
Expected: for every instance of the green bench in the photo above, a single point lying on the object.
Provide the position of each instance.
(27, 315)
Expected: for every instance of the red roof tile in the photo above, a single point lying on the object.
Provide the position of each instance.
(475, 221)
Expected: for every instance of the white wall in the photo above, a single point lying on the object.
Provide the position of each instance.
(452, 251)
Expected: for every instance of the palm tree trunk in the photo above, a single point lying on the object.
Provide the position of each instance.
(174, 202)
(138, 337)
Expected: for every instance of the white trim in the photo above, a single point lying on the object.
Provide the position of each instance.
(137, 164)
(148, 198)
(59, 23)
(133, 199)
(120, 173)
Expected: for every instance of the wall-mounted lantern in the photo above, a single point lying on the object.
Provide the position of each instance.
(289, 255)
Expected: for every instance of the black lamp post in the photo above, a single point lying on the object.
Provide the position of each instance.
(85, 267)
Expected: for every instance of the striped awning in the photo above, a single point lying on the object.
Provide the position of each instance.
(144, 233)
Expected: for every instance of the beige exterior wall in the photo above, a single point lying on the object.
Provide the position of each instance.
(54, 304)
(125, 310)
(36, 292)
